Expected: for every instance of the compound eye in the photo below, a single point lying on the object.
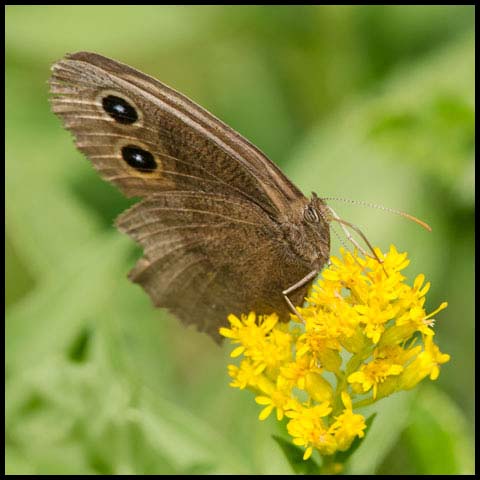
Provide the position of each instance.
(310, 214)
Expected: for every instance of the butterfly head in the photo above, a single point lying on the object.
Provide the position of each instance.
(308, 232)
(316, 216)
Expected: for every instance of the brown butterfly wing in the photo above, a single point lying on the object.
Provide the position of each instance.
(210, 219)
(206, 256)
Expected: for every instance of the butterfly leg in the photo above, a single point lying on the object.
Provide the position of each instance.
(345, 230)
(294, 287)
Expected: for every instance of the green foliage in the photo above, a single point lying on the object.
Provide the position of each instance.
(364, 102)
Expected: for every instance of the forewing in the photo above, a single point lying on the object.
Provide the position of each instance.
(113, 109)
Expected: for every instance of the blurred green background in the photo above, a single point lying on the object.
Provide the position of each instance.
(369, 103)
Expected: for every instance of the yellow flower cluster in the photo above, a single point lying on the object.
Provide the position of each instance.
(365, 334)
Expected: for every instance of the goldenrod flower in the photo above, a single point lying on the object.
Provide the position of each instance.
(308, 429)
(246, 375)
(347, 425)
(276, 399)
(365, 335)
(425, 364)
(373, 373)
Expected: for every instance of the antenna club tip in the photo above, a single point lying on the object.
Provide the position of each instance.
(425, 225)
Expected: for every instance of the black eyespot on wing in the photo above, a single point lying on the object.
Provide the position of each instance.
(139, 158)
(119, 109)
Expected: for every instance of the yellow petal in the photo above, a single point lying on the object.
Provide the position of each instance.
(308, 453)
(234, 321)
(265, 412)
(237, 351)
(262, 400)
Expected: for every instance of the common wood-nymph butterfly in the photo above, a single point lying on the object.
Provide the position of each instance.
(222, 228)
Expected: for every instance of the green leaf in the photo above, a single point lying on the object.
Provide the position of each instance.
(48, 320)
(438, 434)
(294, 455)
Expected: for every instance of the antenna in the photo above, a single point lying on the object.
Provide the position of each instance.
(423, 224)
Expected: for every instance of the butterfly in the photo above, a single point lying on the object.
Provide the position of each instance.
(223, 230)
